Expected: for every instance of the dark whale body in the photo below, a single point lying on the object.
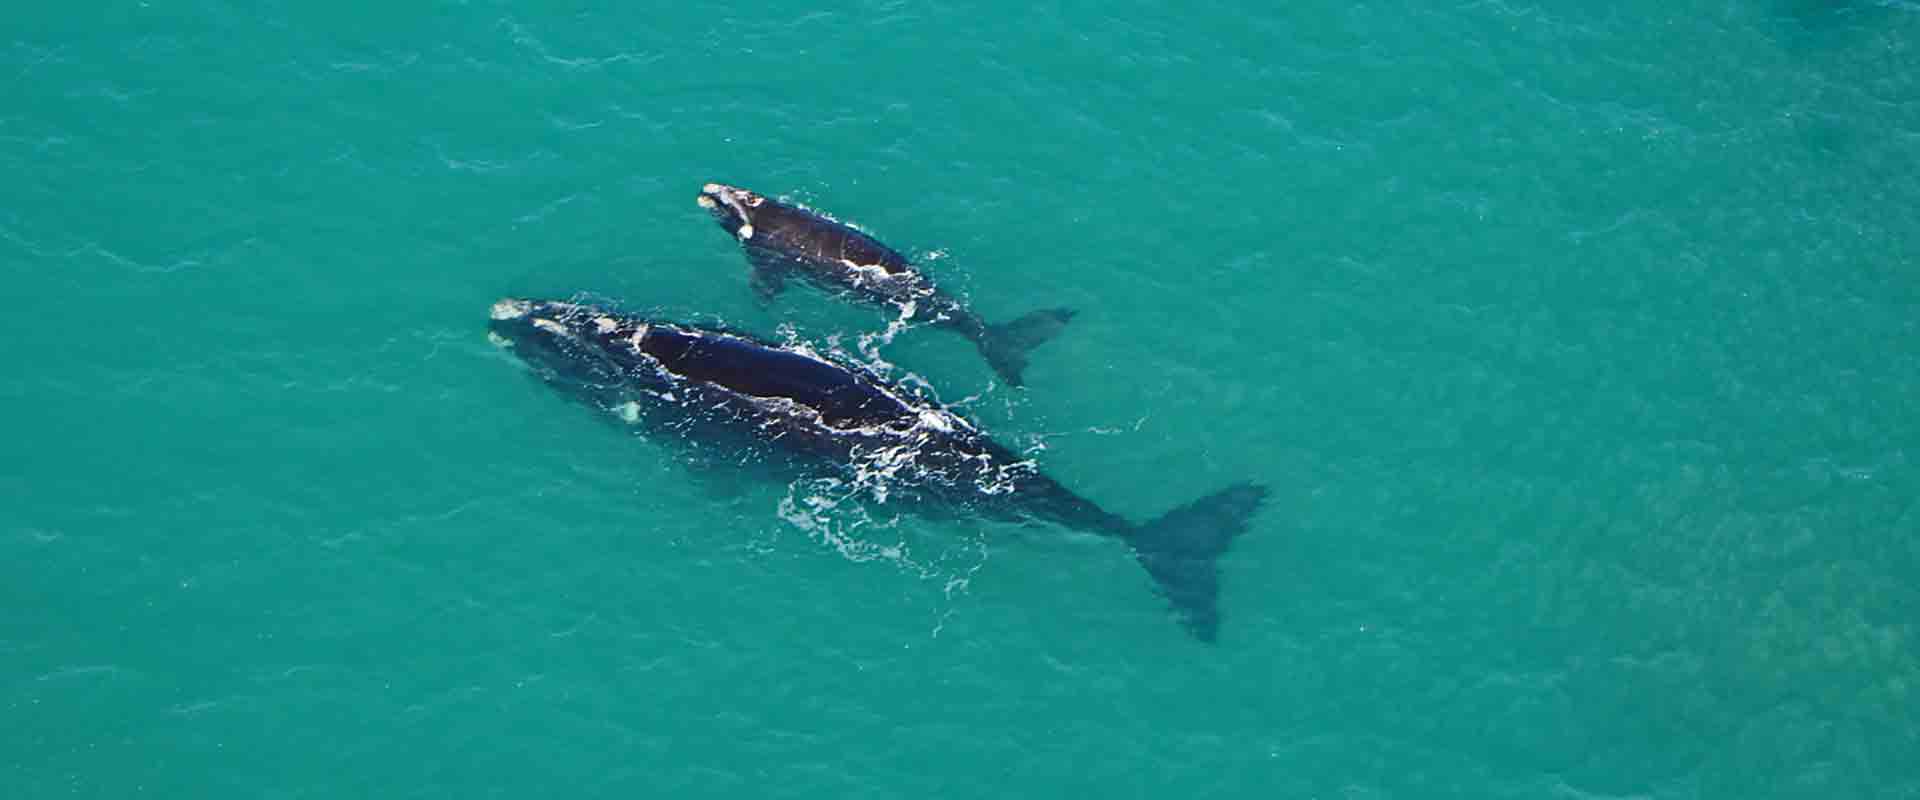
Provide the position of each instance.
(782, 240)
(727, 384)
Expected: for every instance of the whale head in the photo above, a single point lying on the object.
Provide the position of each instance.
(730, 206)
(568, 344)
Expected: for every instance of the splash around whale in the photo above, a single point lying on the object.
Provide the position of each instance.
(701, 381)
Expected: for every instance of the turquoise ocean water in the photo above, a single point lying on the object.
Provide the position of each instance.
(1578, 342)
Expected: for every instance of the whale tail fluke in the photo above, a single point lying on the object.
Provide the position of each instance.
(1006, 345)
(1181, 550)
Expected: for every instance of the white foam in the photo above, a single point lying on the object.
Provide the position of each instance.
(936, 420)
(832, 512)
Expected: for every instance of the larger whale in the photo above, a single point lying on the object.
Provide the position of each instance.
(699, 381)
(783, 240)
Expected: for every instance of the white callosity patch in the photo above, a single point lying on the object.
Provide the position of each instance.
(628, 412)
(605, 324)
(552, 327)
(511, 309)
(498, 341)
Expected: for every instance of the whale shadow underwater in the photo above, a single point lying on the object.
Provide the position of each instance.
(708, 384)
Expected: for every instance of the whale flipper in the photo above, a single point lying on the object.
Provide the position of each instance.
(767, 282)
(1181, 550)
(1006, 345)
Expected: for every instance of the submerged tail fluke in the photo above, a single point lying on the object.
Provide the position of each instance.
(1181, 551)
(1006, 345)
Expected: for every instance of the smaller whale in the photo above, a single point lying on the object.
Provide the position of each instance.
(782, 240)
